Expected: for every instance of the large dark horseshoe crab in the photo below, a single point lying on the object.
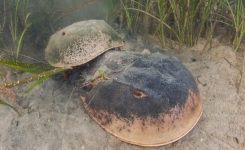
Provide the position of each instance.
(149, 101)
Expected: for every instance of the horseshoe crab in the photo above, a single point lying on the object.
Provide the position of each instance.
(150, 101)
(81, 42)
(75, 45)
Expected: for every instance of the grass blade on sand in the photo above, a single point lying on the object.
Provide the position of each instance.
(6, 104)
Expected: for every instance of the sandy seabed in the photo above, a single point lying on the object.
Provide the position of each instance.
(54, 118)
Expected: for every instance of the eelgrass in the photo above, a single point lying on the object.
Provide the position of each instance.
(178, 17)
(41, 75)
(148, 5)
(25, 67)
(108, 8)
(163, 12)
(6, 104)
(184, 21)
(238, 17)
(129, 19)
(17, 41)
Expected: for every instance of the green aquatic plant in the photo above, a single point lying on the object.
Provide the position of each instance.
(142, 13)
(42, 72)
(18, 25)
(20, 8)
(163, 11)
(236, 9)
(6, 104)
(101, 73)
(128, 17)
(108, 8)
(190, 18)
(10, 95)
(184, 21)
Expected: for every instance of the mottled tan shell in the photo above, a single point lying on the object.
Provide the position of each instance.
(81, 42)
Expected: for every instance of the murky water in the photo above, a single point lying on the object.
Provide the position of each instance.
(54, 117)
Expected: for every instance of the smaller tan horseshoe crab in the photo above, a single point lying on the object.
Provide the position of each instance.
(76, 45)
(81, 42)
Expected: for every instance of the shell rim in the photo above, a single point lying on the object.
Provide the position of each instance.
(142, 144)
(59, 66)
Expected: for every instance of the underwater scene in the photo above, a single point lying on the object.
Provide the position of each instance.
(122, 74)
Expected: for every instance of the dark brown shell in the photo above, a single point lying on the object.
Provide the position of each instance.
(81, 42)
(153, 101)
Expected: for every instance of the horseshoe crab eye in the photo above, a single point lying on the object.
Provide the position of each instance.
(139, 94)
